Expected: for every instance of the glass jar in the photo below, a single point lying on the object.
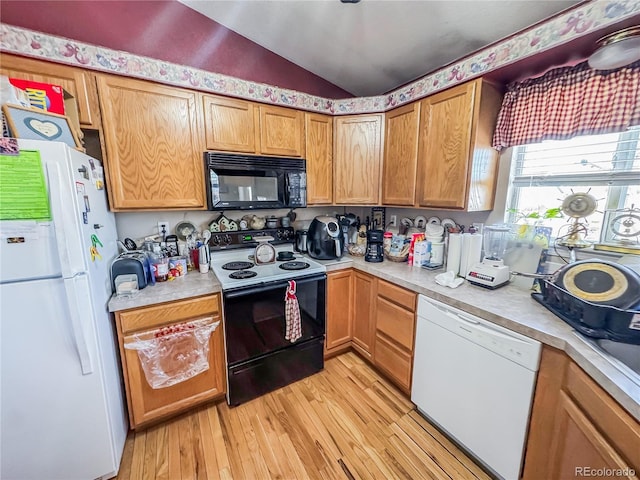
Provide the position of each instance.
(160, 264)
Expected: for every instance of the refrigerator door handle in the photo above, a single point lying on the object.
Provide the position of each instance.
(71, 288)
(63, 217)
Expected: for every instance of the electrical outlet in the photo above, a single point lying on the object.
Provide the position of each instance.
(392, 220)
(163, 228)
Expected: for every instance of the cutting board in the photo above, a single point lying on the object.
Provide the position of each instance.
(523, 257)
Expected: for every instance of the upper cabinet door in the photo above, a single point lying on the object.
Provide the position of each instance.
(358, 154)
(400, 155)
(154, 147)
(76, 81)
(457, 167)
(230, 124)
(319, 155)
(281, 131)
(446, 135)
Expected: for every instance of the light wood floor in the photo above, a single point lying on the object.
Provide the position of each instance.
(346, 422)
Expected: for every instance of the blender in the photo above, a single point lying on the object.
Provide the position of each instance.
(491, 272)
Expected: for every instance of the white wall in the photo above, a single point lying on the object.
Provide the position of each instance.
(137, 225)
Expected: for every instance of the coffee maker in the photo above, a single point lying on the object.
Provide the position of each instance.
(374, 251)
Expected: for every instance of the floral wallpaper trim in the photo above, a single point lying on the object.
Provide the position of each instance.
(573, 24)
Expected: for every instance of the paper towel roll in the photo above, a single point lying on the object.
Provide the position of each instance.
(454, 252)
(464, 253)
(474, 252)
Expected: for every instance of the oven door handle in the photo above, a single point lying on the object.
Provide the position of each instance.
(241, 292)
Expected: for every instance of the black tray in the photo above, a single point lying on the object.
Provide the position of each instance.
(592, 320)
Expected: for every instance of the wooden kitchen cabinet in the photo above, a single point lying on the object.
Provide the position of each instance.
(240, 126)
(457, 167)
(154, 146)
(76, 81)
(319, 156)
(230, 124)
(576, 424)
(281, 131)
(364, 315)
(400, 161)
(339, 311)
(148, 405)
(395, 332)
(357, 159)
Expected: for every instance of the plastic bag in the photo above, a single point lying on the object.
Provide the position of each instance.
(175, 353)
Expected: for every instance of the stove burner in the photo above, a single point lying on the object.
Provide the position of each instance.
(242, 274)
(237, 266)
(294, 265)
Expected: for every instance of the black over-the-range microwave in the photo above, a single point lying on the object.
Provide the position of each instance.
(245, 182)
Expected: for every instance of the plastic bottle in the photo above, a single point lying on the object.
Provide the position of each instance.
(160, 263)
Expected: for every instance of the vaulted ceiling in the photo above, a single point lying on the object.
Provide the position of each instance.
(374, 46)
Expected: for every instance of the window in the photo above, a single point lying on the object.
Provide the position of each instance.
(607, 166)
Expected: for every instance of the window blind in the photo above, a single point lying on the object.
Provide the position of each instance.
(608, 160)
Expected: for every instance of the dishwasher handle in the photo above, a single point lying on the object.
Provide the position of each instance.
(459, 316)
(465, 323)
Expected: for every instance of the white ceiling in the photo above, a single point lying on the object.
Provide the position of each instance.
(374, 46)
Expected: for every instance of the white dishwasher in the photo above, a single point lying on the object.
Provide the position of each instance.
(475, 380)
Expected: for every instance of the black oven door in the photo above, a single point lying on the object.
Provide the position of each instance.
(245, 189)
(259, 357)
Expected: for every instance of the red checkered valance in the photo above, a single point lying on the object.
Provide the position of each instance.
(569, 101)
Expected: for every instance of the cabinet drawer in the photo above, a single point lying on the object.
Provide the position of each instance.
(617, 426)
(393, 361)
(395, 322)
(397, 295)
(173, 312)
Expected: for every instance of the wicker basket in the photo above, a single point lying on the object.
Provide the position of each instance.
(356, 250)
(397, 257)
(394, 258)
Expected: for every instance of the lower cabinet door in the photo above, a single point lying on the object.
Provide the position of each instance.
(339, 311)
(364, 320)
(579, 450)
(146, 403)
(394, 361)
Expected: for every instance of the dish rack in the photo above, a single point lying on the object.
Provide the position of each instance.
(590, 319)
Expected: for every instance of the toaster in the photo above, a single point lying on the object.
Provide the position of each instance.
(131, 263)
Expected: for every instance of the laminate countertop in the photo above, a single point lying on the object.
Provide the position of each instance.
(193, 284)
(510, 306)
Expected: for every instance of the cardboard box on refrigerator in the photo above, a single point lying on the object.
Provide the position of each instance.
(51, 98)
(45, 96)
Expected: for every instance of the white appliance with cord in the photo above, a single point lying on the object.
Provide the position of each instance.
(475, 381)
(62, 404)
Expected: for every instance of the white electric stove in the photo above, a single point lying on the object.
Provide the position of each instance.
(236, 268)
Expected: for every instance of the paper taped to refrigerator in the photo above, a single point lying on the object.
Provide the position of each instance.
(23, 195)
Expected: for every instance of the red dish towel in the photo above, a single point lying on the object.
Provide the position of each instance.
(292, 313)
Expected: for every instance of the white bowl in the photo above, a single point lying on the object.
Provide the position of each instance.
(433, 230)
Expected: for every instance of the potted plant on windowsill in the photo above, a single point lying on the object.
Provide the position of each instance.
(530, 225)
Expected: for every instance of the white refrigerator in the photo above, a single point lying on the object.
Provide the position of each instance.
(62, 403)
